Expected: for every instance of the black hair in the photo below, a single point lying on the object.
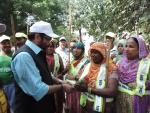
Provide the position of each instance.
(52, 43)
(135, 39)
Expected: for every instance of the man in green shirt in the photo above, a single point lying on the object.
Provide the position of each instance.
(5, 68)
(4, 107)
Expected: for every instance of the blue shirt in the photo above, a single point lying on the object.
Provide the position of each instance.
(27, 75)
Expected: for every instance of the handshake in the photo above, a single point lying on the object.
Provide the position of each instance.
(68, 87)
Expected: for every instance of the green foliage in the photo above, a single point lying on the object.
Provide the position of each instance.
(101, 16)
(52, 11)
(98, 16)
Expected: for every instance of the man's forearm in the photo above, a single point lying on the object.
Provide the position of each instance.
(58, 81)
(106, 92)
(55, 88)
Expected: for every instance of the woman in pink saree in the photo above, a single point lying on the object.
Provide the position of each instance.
(134, 78)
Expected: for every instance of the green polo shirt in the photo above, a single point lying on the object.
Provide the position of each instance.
(5, 69)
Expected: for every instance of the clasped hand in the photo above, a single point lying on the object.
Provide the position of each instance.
(82, 87)
(68, 88)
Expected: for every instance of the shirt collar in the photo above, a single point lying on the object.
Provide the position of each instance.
(62, 49)
(33, 46)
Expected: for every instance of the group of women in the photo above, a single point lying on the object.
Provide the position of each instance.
(102, 86)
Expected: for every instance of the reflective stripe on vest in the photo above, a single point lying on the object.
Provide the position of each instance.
(141, 78)
(85, 72)
(83, 96)
(56, 64)
(74, 70)
(100, 84)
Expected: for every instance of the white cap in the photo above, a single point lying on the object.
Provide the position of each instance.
(2, 27)
(4, 37)
(43, 27)
(62, 38)
(20, 34)
(110, 34)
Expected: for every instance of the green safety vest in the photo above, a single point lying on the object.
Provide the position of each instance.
(100, 84)
(5, 69)
(141, 79)
(74, 70)
(56, 64)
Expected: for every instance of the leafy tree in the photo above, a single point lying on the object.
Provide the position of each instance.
(101, 16)
(52, 11)
(98, 16)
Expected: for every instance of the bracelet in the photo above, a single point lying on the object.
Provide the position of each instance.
(89, 90)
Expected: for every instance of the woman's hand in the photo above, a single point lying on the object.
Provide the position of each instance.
(70, 76)
(67, 87)
(81, 87)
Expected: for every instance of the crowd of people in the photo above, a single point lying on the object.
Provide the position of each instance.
(39, 75)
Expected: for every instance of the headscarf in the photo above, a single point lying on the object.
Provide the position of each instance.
(123, 42)
(127, 69)
(99, 47)
(143, 50)
(76, 60)
(79, 45)
(120, 55)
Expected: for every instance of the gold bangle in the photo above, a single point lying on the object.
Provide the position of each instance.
(89, 90)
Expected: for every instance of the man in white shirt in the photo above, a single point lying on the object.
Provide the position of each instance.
(110, 40)
(63, 51)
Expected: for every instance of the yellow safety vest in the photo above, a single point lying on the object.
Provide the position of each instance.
(56, 64)
(3, 102)
(141, 79)
(100, 84)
